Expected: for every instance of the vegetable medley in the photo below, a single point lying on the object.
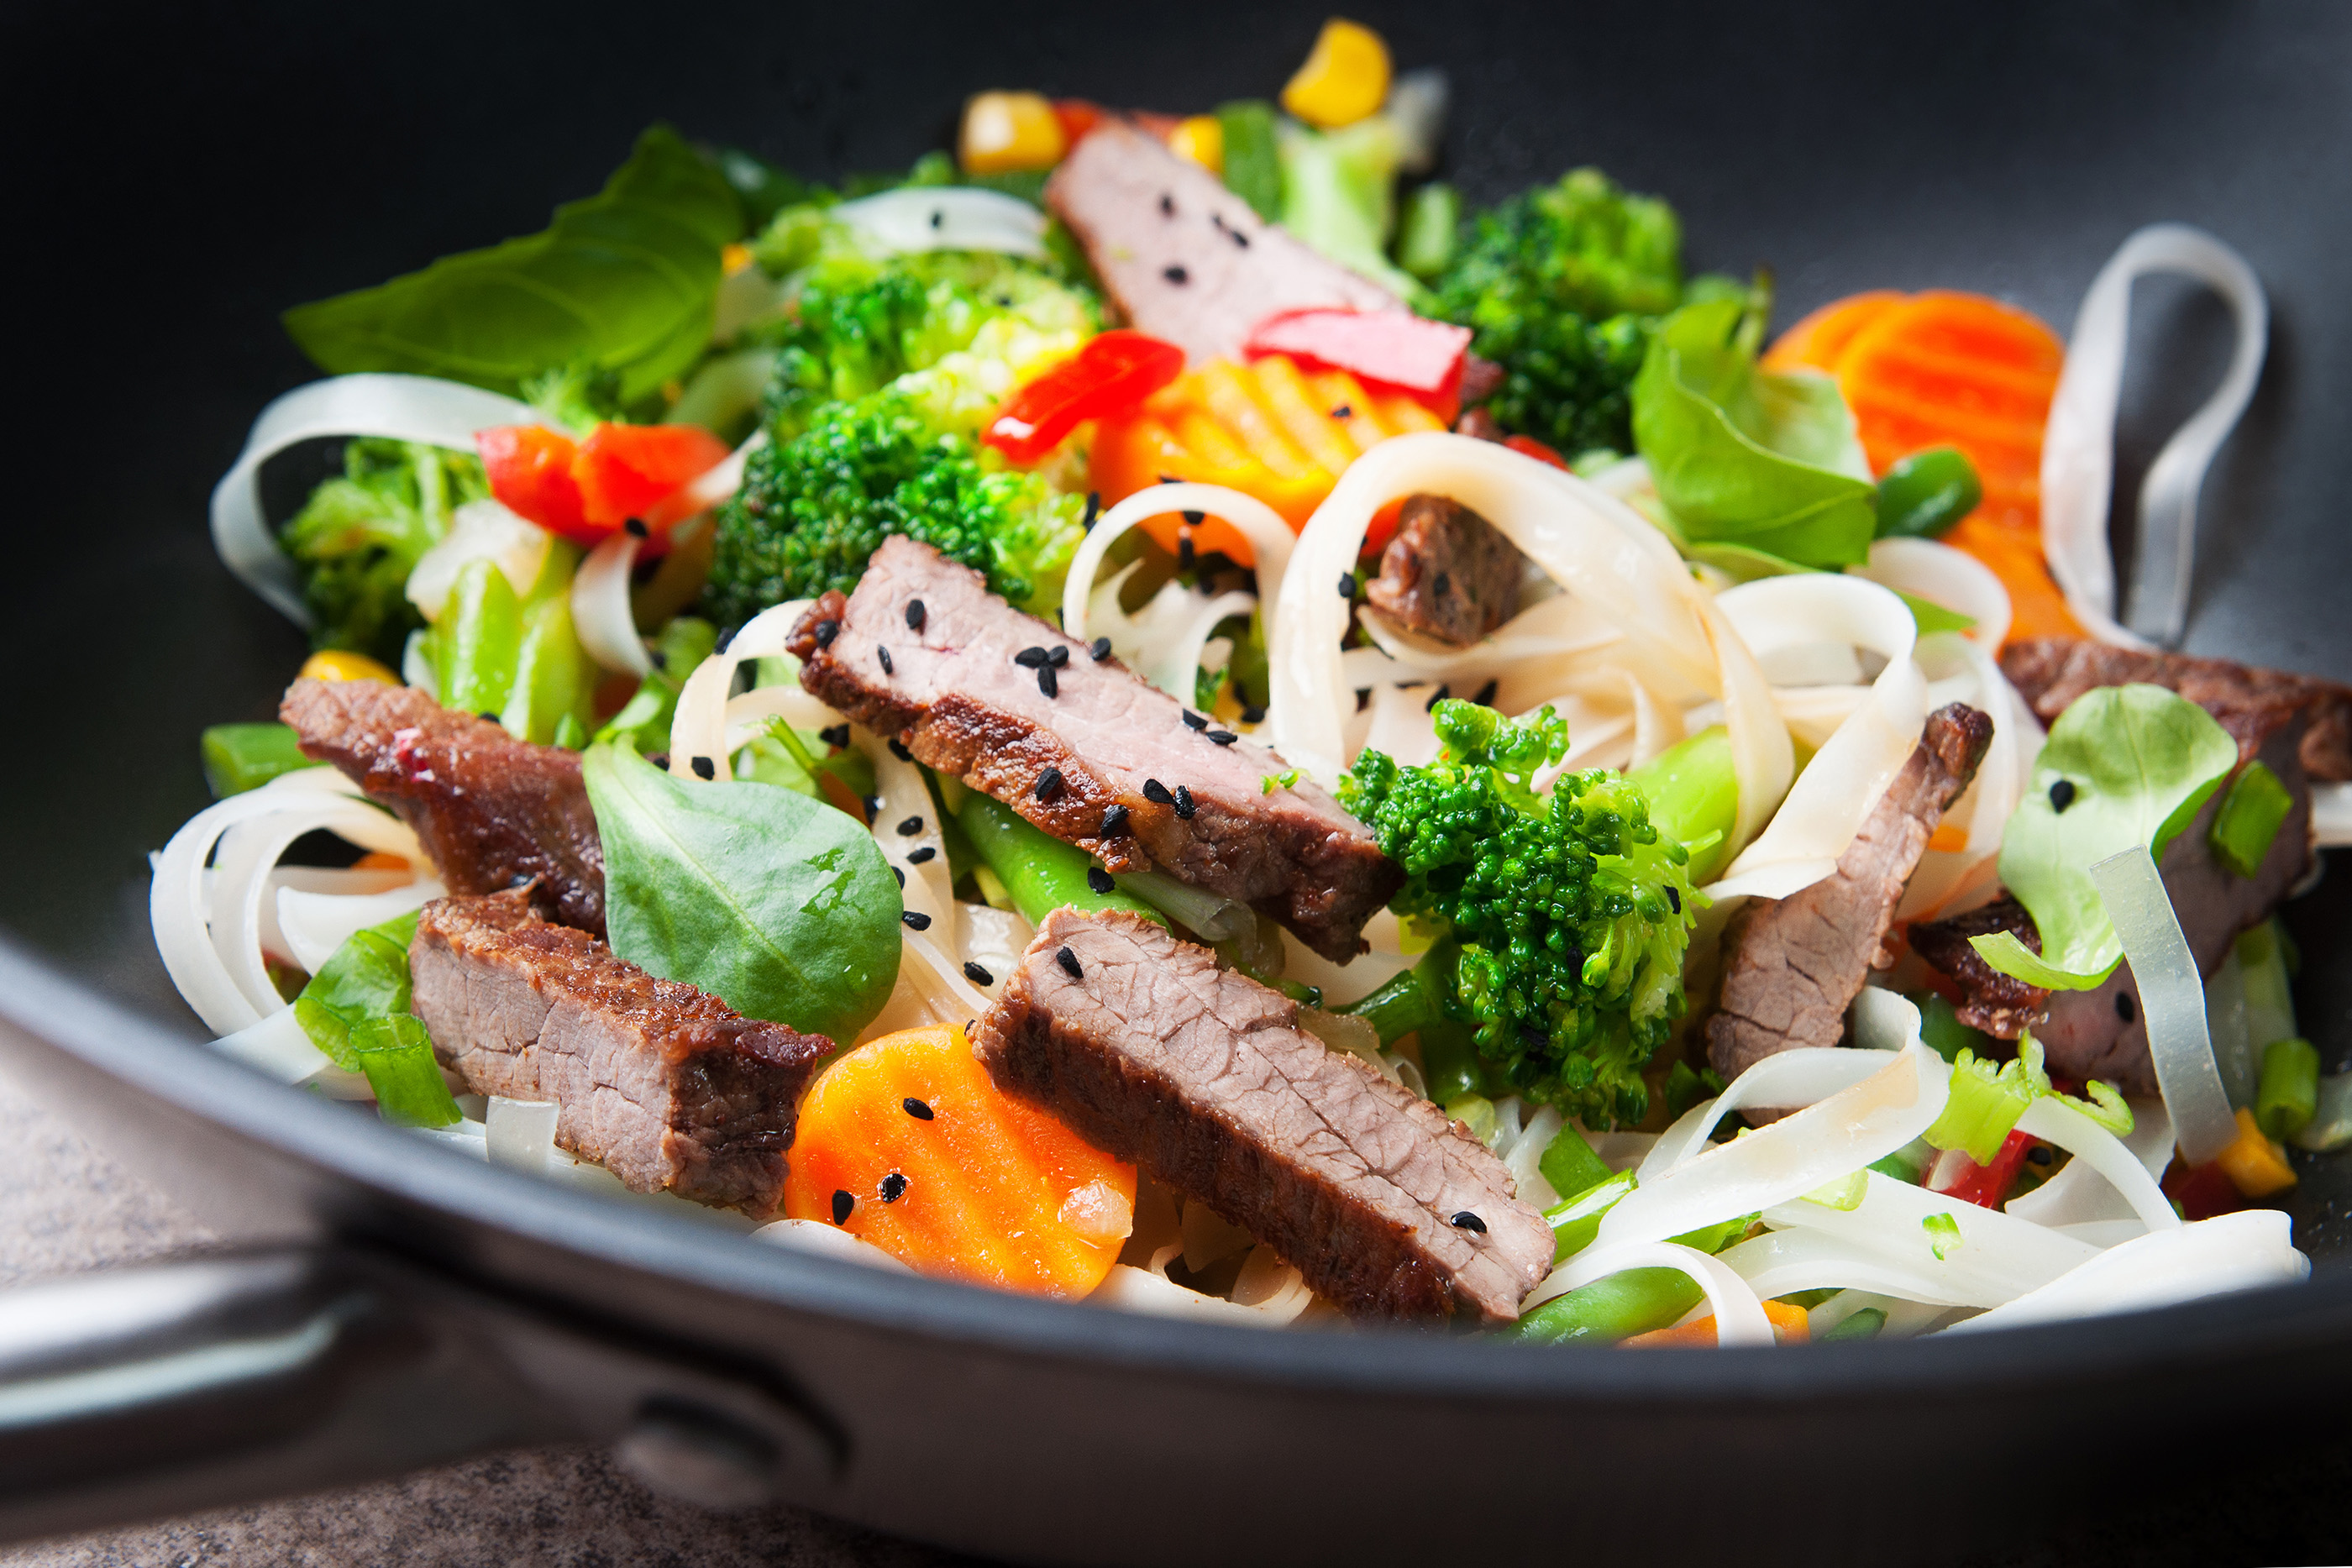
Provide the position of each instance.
(886, 670)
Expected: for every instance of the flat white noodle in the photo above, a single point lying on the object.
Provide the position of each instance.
(994, 939)
(955, 218)
(1403, 724)
(2243, 1252)
(2079, 1195)
(1785, 1080)
(2331, 815)
(1738, 1314)
(519, 1135)
(748, 713)
(1590, 543)
(698, 728)
(2078, 443)
(904, 797)
(2171, 999)
(600, 607)
(1560, 625)
(1942, 575)
(715, 484)
(479, 530)
(1176, 670)
(405, 408)
(1270, 539)
(2054, 1121)
(827, 1240)
(1525, 1160)
(1782, 1263)
(313, 924)
(1996, 1254)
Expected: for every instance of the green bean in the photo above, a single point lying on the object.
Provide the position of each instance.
(1570, 1164)
(1432, 218)
(479, 640)
(1926, 493)
(1041, 872)
(1252, 170)
(241, 756)
(2290, 1088)
(1618, 1307)
(551, 679)
(1865, 1323)
(1693, 790)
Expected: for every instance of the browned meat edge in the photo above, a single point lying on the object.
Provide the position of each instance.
(1792, 966)
(1202, 1077)
(664, 1084)
(1448, 573)
(1998, 1004)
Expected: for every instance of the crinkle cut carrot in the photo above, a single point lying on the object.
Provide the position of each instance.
(1817, 339)
(906, 1143)
(1790, 1325)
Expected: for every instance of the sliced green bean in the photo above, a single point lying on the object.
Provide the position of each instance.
(1041, 872)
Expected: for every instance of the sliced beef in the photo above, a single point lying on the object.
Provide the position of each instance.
(2001, 1006)
(1448, 573)
(1182, 257)
(1202, 1077)
(493, 811)
(2249, 702)
(664, 1084)
(1792, 966)
(1083, 749)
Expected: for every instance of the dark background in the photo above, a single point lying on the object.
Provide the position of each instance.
(177, 180)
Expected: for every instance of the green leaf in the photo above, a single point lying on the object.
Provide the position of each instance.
(2250, 818)
(1766, 461)
(396, 1054)
(780, 906)
(622, 282)
(1930, 616)
(1943, 1235)
(2133, 765)
(367, 977)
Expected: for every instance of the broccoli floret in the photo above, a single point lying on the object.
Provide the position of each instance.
(1563, 285)
(359, 535)
(1573, 912)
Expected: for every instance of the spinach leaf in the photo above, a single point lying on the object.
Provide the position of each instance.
(367, 977)
(1765, 462)
(778, 904)
(2123, 766)
(622, 282)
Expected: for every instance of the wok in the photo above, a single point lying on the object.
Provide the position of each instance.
(388, 1306)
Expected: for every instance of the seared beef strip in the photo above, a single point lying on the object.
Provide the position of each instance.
(2249, 702)
(1182, 257)
(664, 1084)
(1084, 749)
(493, 811)
(1202, 1077)
(1792, 966)
(1448, 573)
(1996, 1003)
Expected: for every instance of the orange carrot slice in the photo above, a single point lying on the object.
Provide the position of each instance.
(1789, 1326)
(1816, 342)
(907, 1144)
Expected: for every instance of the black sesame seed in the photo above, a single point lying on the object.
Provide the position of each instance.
(1486, 697)
(1030, 658)
(1673, 898)
(938, 218)
(661, 761)
(915, 613)
(1445, 584)
(1184, 553)
(1175, 275)
(873, 806)
(894, 1187)
(1069, 962)
(2125, 1008)
(901, 873)
(911, 826)
(1465, 1220)
(1058, 656)
(1099, 879)
(838, 735)
(1156, 793)
(898, 749)
(1222, 736)
(1195, 720)
(1101, 649)
(1443, 692)
(918, 856)
(1343, 412)
(884, 654)
(1196, 519)
(1347, 585)
(2062, 794)
(1114, 822)
(1184, 807)
(825, 631)
(704, 767)
(1253, 715)
(1170, 479)
(914, 1107)
(1239, 238)
(842, 1204)
(915, 919)
(1049, 784)
(1363, 698)
(2040, 1155)
(1048, 682)
(1216, 220)
(1167, 206)
(1094, 510)
(977, 975)
(660, 660)
(637, 530)
(490, 715)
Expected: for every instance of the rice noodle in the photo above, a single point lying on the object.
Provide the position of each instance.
(2172, 998)
(479, 530)
(2054, 1122)
(1787, 1080)
(1942, 575)
(1270, 539)
(698, 728)
(1782, 1263)
(405, 408)
(1995, 1255)
(1176, 670)
(914, 219)
(601, 617)
(2080, 1195)
(1945, 876)
(829, 1241)
(2243, 1252)
(2078, 443)
(1738, 1313)
(313, 924)
(2331, 815)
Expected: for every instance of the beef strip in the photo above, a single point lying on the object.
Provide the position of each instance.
(1998, 1004)
(2250, 702)
(1182, 257)
(1792, 966)
(958, 695)
(664, 1084)
(1203, 1078)
(1448, 573)
(493, 811)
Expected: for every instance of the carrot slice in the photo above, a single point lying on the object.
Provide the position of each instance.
(907, 1144)
(1790, 1325)
(1817, 339)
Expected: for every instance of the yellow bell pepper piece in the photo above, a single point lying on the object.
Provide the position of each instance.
(2255, 1163)
(733, 258)
(1203, 139)
(1007, 133)
(339, 665)
(1345, 79)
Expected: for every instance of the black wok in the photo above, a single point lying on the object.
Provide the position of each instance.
(180, 180)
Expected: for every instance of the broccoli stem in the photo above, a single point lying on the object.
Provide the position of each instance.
(1612, 1308)
(1693, 790)
(241, 756)
(1041, 872)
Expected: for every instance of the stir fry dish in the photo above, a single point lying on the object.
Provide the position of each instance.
(1157, 711)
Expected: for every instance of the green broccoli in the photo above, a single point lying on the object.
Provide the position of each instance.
(1573, 911)
(359, 535)
(1562, 286)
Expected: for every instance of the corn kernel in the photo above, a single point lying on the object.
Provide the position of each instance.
(1345, 79)
(2254, 1164)
(734, 257)
(1203, 139)
(1006, 132)
(339, 665)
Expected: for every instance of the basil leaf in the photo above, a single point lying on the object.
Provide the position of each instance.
(366, 978)
(778, 905)
(622, 282)
(396, 1054)
(2123, 766)
(1769, 463)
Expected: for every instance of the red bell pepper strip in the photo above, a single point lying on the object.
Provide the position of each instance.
(584, 490)
(1987, 1186)
(2200, 1192)
(1529, 446)
(1077, 117)
(1406, 351)
(1114, 373)
(530, 467)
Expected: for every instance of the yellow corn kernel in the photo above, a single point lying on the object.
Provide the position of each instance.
(339, 664)
(1203, 139)
(733, 258)
(1345, 79)
(2256, 1166)
(1006, 132)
